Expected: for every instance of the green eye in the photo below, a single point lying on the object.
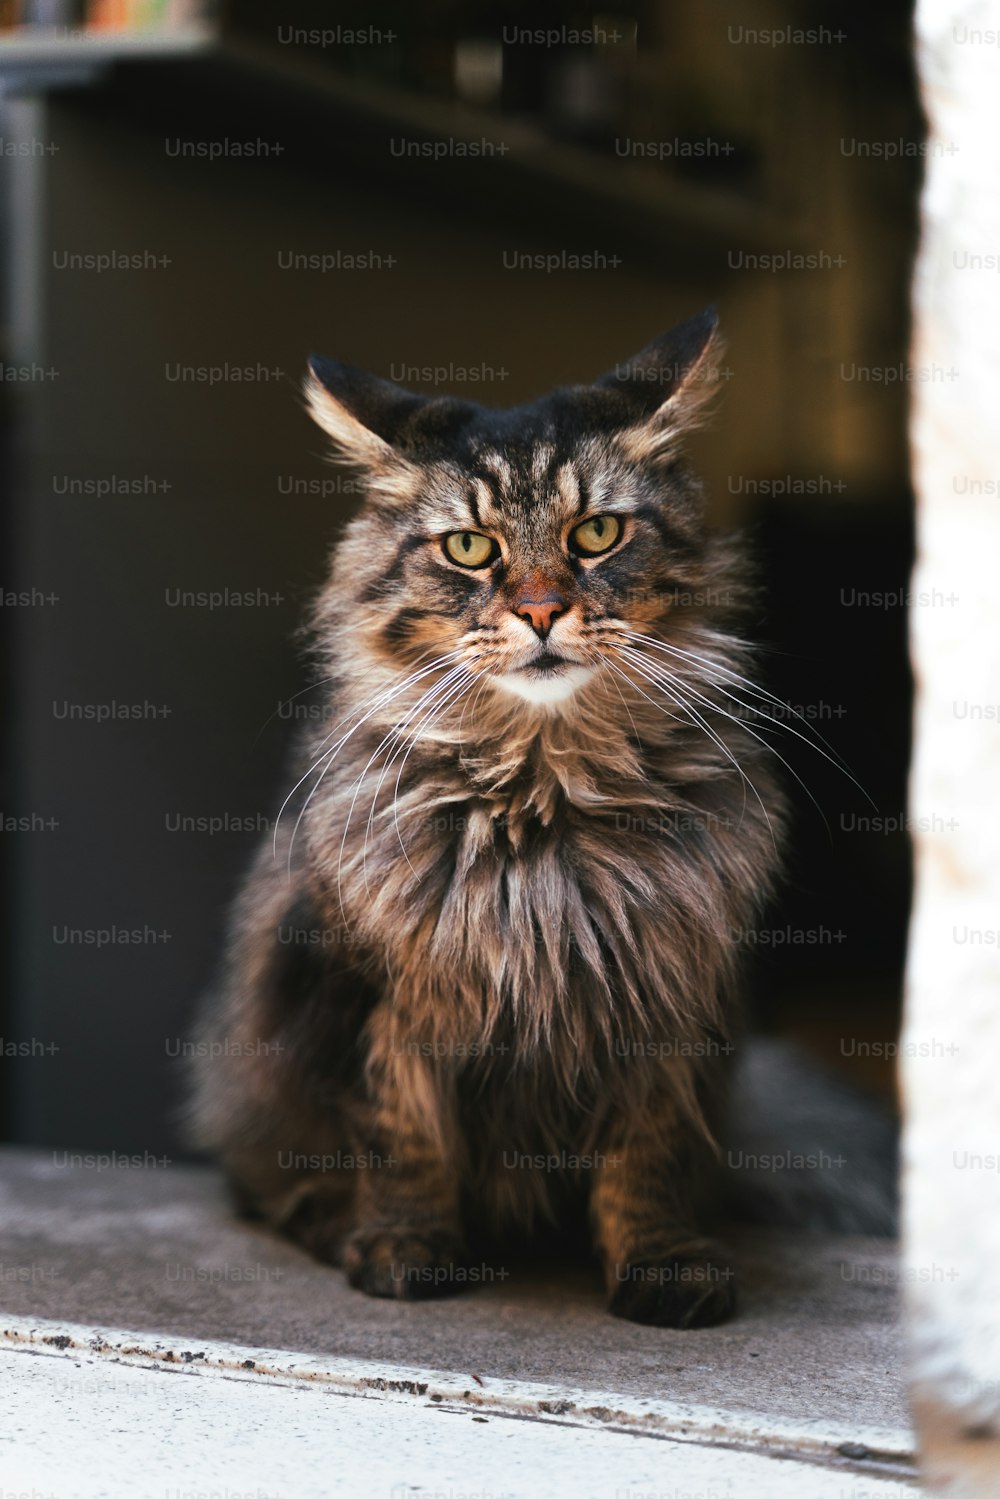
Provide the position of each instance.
(596, 535)
(469, 549)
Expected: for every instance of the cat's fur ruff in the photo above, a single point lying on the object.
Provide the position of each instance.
(516, 943)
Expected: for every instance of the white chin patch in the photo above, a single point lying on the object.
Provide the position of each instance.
(545, 689)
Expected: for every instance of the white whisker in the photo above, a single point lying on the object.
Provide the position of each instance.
(458, 691)
(677, 685)
(359, 781)
(381, 700)
(432, 701)
(695, 718)
(822, 748)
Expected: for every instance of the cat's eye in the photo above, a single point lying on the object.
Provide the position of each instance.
(596, 535)
(470, 549)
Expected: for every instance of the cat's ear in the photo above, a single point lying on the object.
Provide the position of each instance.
(362, 414)
(665, 386)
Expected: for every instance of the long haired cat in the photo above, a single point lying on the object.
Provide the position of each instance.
(482, 983)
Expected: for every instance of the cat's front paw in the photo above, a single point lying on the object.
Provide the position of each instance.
(409, 1264)
(689, 1288)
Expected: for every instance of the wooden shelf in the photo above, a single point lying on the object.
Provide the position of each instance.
(33, 59)
(634, 189)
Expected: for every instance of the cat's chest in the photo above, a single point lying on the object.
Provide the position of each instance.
(568, 887)
(557, 936)
(544, 896)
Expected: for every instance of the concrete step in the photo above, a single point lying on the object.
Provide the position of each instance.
(132, 1292)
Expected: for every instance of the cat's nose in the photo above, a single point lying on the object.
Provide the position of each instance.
(542, 613)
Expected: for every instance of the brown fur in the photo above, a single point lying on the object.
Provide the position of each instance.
(528, 914)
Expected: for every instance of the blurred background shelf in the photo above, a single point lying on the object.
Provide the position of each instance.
(31, 46)
(70, 43)
(35, 61)
(524, 146)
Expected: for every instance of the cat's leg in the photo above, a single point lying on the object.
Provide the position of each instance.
(409, 1241)
(645, 1206)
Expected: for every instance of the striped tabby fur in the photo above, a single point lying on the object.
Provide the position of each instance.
(480, 990)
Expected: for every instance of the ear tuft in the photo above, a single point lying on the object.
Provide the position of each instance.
(666, 385)
(362, 415)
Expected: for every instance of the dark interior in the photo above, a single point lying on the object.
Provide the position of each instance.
(802, 239)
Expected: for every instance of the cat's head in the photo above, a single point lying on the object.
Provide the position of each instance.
(522, 543)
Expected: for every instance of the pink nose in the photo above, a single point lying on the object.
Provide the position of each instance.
(541, 614)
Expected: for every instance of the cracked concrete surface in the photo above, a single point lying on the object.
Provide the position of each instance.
(811, 1366)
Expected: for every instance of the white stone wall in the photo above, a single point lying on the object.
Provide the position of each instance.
(951, 1067)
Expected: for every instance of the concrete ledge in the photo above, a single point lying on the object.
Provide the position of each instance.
(810, 1372)
(867, 1449)
(76, 1428)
